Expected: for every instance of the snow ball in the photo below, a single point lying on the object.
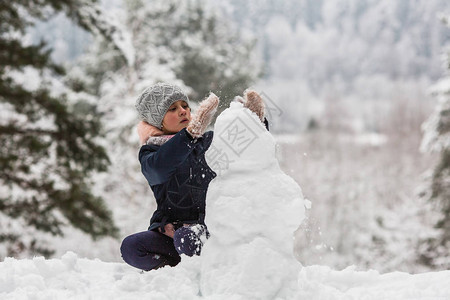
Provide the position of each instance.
(70, 259)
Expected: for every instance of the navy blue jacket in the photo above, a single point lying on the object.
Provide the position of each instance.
(179, 176)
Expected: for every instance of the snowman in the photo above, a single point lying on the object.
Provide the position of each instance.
(252, 211)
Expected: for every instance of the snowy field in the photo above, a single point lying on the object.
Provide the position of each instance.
(72, 277)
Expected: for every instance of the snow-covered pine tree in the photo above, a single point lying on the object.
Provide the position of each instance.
(48, 133)
(192, 40)
(215, 56)
(436, 251)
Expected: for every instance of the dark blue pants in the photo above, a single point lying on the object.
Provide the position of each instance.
(150, 250)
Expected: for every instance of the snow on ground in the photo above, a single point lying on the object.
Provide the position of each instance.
(253, 210)
(71, 277)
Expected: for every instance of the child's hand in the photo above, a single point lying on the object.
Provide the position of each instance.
(169, 230)
(146, 130)
(205, 112)
(254, 102)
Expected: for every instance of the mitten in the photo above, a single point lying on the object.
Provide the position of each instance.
(146, 130)
(205, 112)
(254, 102)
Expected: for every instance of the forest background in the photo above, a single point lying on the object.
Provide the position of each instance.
(349, 86)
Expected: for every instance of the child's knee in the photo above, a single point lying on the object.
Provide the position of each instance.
(128, 247)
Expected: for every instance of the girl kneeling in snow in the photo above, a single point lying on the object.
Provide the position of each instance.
(173, 162)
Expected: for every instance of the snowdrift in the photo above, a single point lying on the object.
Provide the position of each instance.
(71, 277)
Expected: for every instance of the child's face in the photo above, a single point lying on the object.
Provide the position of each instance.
(176, 118)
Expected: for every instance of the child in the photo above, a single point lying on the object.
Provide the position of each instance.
(173, 162)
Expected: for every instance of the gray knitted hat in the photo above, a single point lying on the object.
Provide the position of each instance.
(155, 100)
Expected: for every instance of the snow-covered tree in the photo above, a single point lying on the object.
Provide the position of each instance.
(437, 139)
(190, 39)
(48, 133)
(367, 50)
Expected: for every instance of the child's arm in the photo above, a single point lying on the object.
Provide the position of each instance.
(158, 166)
